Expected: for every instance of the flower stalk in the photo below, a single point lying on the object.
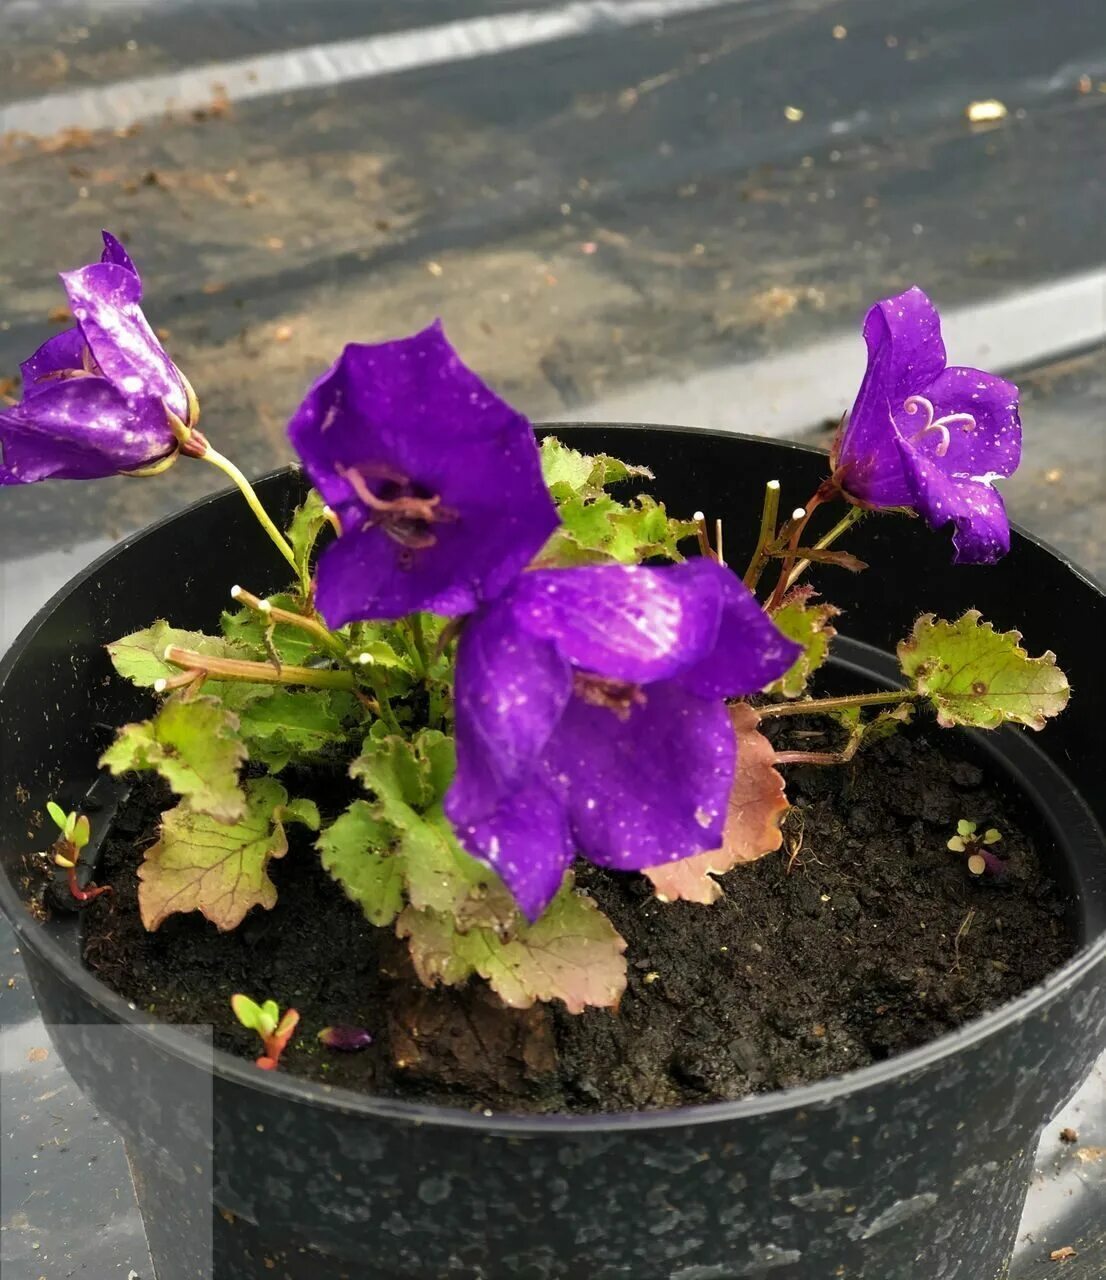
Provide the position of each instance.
(789, 543)
(853, 516)
(769, 520)
(274, 613)
(819, 706)
(196, 664)
(228, 468)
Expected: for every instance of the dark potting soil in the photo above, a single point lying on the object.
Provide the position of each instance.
(862, 938)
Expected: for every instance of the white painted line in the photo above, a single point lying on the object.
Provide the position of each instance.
(788, 394)
(320, 66)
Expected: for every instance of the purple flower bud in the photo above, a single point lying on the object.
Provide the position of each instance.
(346, 1039)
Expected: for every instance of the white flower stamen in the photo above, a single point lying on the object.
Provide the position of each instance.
(942, 426)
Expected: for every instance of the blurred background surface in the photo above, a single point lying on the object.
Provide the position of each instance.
(638, 210)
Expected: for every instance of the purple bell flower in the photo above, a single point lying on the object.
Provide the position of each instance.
(96, 398)
(928, 436)
(436, 482)
(591, 718)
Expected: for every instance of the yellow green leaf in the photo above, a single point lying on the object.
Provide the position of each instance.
(809, 625)
(572, 953)
(218, 868)
(194, 745)
(359, 851)
(979, 677)
(140, 656)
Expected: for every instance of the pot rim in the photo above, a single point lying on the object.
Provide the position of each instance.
(240, 1072)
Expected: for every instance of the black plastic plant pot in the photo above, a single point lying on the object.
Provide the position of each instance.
(915, 1168)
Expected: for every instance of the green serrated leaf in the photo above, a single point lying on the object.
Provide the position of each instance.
(217, 868)
(567, 471)
(977, 676)
(305, 812)
(293, 725)
(408, 781)
(600, 530)
(564, 470)
(436, 948)
(440, 754)
(195, 747)
(607, 471)
(395, 771)
(441, 876)
(307, 523)
(360, 851)
(138, 657)
(572, 953)
(809, 625)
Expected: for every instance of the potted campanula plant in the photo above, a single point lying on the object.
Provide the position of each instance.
(564, 895)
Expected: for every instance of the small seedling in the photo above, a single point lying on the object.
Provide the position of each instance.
(969, 840)
(275, 1031)
(75, 832)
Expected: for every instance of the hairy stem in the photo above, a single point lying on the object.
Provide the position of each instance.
(816, 706)
(769, 520)
(794, 531)
(821, 757)
(387, 712)
(255, 672)
(273, 612)
(418, 636)
(852, 516)
(700, 522)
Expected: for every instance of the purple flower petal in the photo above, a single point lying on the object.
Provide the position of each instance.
(926, 436)
(94, 397)
(993, 445)
(650, 787)
(982, 530)
(435, 479)
(64, 353)
(104, 299)
(346, 1039)
(511, 689)
(627, 622)
(361, 574)
(80, 429)
(866, 456)
(115, 254)
(917, 350)
(526, 839)
(749, 650)
(590, 718)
